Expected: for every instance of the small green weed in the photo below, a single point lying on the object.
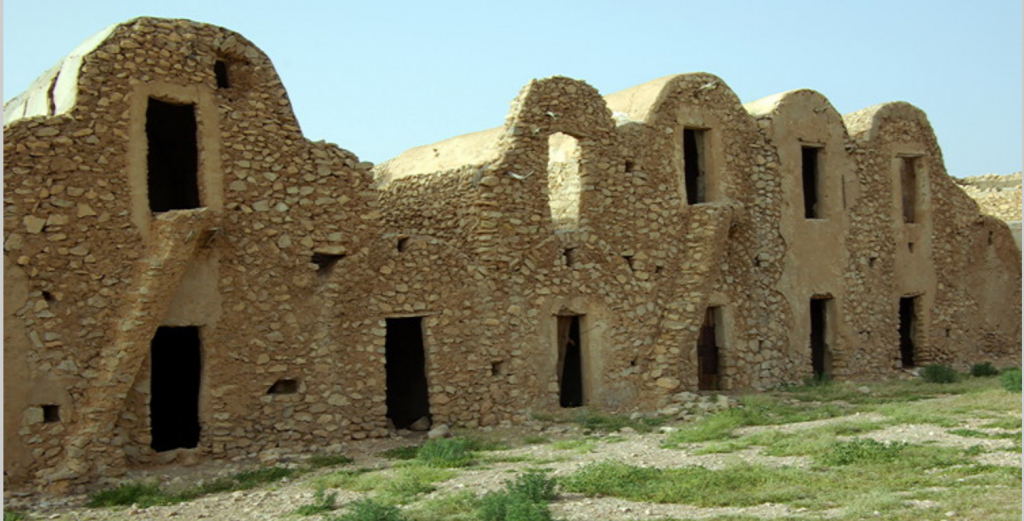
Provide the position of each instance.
(582, 446)
(446, 453)
(482, 442)
(972, 433)
(370, 510)
(407, 452)
(862, 450)
(13, 515)
(939, 374)
(460, 506)
(525, 499)
(322, 502)
(328, 460)
(1011, 380)
(984, 369)
(1003, 423)
(254, 478)
(350, 479)
(141, 494)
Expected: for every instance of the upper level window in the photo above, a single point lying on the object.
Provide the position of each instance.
(694, 168)
(810, 172)
(220, 71)
(564, 183)
(172, 156)
(908, 187)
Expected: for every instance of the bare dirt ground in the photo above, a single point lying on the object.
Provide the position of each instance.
(280, 500)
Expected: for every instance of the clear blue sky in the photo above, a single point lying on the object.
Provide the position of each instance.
(378, 78)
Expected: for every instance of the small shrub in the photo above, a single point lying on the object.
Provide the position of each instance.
(938, 374)
(525, 499)
(370, 510)
(862, 450)
(1011, 380)
(446, 453)
(984, 369)
(322, 502)
(534, 485)
(11, 515)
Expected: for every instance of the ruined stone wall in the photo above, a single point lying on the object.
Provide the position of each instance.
(300, 255)
(80, 230)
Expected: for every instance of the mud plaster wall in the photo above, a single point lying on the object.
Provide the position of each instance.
(471, 247)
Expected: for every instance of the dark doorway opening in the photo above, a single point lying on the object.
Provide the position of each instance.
(820, 357)
(570, 361)
(707, 351)
(809, 162)
(907, 325)
(175, 371)
(693, 165)
(172, 157)
(908, 187)
(406, 368)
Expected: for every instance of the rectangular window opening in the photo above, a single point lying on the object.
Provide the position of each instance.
(51, 413)
(821, 357)
(569, 256)
(908, 325)
(284, 386)
(908, 188)
(325, 262)
(172, 156)
(220, 71)
(811, 182)
(693, 165)
(709, 341)
(176, 366)
(405, 366)
(570, 361)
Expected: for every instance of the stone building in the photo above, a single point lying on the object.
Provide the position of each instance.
(186, 276)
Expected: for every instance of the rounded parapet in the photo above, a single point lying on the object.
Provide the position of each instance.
(198, 53)
(865, 124)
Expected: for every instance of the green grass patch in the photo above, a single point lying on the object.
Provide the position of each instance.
(866, 475)
(14, 515)
(1003, 423)
(754, 410)
(536, 440)
(582, 446)
(460, 506)
(1011, 380)
(141, 494)
(446, 453)
(323, 502)
(146, 495)
(371, 510)
(939, 374)
(861, 451)
(328, 460)
(524, 499)
(396, 486)
(407, 452)
(984, 369)
(973, 433)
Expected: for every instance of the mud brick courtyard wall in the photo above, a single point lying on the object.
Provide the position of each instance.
(187, 277)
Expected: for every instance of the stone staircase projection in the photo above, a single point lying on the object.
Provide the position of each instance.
(92, 445)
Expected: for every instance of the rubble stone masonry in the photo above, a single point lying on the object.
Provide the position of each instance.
(571, 254)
